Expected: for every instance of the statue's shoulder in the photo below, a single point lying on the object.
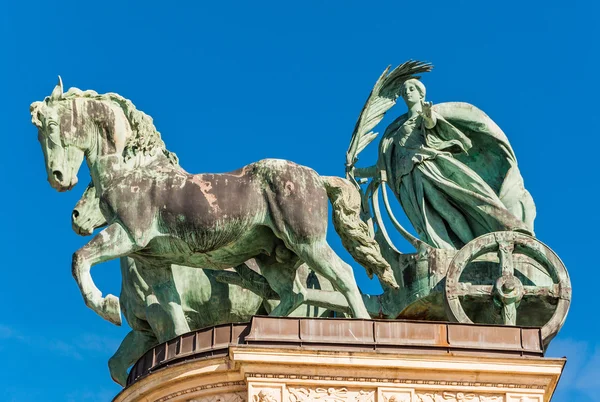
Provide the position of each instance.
(460, 111)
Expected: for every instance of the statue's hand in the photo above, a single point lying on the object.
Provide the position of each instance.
(349, 171)
(426, 108)
(427, 114)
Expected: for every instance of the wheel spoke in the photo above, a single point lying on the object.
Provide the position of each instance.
(505, 254)
(468, 289)
(509, 314)
(554, 291)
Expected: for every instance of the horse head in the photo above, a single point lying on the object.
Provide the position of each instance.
(74, 125)
(62, 159)
(86, 216)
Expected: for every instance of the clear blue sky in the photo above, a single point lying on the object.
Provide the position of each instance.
(229, 83)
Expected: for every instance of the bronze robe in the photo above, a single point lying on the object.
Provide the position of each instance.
(456, 181)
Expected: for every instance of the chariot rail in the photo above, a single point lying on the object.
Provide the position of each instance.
(383, 336)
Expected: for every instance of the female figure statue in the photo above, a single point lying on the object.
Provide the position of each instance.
(453, 171)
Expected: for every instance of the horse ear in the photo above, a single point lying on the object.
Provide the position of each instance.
(57, 92)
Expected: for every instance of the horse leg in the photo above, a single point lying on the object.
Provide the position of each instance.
(135, 344)
(112, 242)
(174, 323)
(282, 279)
(136, 290)
(160, 320)
(322, 259)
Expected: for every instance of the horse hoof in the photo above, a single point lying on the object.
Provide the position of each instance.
(111, 309)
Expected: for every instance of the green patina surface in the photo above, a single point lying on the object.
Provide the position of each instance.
(203, 249)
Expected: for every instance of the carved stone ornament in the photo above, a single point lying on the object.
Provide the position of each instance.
(232, 397)
(399, 398)
(264, 396)
(456, 397)
(524, 398)
(394, 395)
(330, 394)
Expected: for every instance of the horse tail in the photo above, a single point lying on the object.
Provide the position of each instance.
(354, 233)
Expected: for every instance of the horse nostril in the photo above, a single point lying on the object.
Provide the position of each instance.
(58, 175)
(75, 214)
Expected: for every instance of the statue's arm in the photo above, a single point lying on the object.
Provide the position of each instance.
(427, 114)
(431, 122)
(373, 171)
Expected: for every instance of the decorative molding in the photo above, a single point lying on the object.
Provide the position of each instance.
(265, 392)
(443, 396)
(264, 396)
(330, 394)
(524, 398)
(394, 394)
(415, 383)
(232, 397)
(202, 388)
(398, 398)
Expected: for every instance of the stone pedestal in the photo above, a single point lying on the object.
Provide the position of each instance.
(293, 360)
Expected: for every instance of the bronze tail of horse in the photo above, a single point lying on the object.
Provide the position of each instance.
(354, 233)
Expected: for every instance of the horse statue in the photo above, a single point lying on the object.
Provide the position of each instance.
(206, 301)
(87, 217)
(274, 211)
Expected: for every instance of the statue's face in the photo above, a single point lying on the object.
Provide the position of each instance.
(410, 93)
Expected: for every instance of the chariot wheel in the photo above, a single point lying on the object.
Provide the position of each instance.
(507, 290)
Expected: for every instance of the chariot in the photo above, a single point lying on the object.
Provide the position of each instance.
(507, 278)
(455, 174)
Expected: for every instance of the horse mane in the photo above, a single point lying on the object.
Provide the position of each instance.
(146, 139)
